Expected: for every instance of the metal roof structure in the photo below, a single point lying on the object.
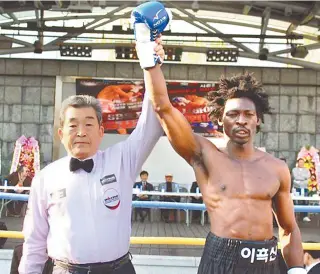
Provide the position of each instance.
(250, 26)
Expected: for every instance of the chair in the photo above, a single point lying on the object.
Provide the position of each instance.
(184, 200)
(3, 201)
(149, 214)
(162, 186)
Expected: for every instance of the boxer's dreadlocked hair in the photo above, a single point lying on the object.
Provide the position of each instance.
(239, 86)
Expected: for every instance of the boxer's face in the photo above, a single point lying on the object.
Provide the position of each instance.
(240, 120)
(81, 133)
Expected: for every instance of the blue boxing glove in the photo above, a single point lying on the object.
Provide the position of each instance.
(149, 20)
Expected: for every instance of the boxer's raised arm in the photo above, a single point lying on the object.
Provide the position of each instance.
(175, 125)
(149, 20)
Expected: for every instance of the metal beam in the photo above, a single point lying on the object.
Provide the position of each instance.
(176, 15)
(69, 36)
(16, 41)
(276, 59)
(72, 30)
(26, 50)
(246, 9)
(57, 18)
(36, 12)
(251, 25)
(13, 17)
(306, 19)
(264, 24)
(278, 52)
(281, 5)
(113, 18)
(292, 27)
(211, 20)
(229, 7)
(311, 14)
(288, 50)
(284, 60)
(212, 29)
(90, 25)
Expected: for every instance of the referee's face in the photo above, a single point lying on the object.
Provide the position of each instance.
(81, 133)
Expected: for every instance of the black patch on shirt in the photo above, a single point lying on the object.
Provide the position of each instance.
(108, 179)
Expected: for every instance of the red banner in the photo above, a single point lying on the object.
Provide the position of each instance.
(121, 103)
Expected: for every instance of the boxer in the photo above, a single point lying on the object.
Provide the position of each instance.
(241, 186)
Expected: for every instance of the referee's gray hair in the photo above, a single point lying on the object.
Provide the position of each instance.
(81, 101)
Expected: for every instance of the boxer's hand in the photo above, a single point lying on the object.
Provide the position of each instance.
(149, 20)
(297, 270)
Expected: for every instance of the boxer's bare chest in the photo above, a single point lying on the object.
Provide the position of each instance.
(243, 179)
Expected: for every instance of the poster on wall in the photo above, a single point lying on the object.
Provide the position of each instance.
(121, 102)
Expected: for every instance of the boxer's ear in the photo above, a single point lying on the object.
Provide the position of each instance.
(258, 121)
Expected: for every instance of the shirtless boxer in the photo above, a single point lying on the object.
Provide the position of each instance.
(241, 185)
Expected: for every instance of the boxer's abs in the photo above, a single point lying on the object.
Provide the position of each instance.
(247, 219)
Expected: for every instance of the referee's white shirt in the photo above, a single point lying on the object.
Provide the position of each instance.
(85, 217)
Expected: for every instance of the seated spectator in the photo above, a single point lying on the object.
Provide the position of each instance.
(168, 186)
(18, 178)
(16, 257)
(144, 186)
(311, 260)
(300, 176)
(196, 214)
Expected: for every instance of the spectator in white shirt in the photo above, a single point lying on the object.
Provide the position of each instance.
(79, 207)
(300, 176)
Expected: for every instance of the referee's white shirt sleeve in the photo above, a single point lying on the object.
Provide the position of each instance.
(142, 140)
(35, 230)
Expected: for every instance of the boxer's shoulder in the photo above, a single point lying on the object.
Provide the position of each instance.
(274, 160)
(273, 163)
(209, 151)
(205, 144)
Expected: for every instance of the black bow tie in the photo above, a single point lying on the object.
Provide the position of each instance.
(76, 164)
